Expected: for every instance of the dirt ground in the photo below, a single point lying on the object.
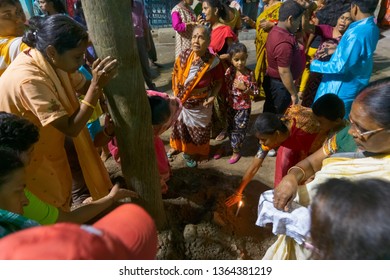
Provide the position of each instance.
(200, 225)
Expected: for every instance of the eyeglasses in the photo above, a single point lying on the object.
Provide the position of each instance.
(364, 133)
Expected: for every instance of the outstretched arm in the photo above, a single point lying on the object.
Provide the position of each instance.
(248, 176)
(88, 211)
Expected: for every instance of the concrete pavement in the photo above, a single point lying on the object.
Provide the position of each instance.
(165, 38)
(265, 175)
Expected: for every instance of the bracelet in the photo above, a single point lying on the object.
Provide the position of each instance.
(301, 169)
(88, 104)
(106, 134)
(238, 194)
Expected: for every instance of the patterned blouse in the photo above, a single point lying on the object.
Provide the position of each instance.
(240, 99)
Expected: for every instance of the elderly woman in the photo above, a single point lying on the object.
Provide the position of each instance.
(362, 153)
(196, 80)
(40, 85)
(183, 22)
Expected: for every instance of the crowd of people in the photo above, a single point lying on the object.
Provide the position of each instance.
(321, 118)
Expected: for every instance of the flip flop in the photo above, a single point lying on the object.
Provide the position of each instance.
(191, 163)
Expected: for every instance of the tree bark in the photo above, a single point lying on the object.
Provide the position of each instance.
(111, 31)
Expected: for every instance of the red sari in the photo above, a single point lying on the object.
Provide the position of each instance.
(219, 46)
(304, 139)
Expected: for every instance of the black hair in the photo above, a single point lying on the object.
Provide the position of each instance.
(58, 6)
(17, 133)
(375, 98)
(60, 31)
(290, 8)
(329, 106)
(332, 11)
(350, 220)
(9, 2)
(9, 162)
(269, 123)
(77, 5)
(222, 12)
(237, 48)
(160, 109)
(366, 6)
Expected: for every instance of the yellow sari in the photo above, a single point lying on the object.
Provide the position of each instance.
(270, 14)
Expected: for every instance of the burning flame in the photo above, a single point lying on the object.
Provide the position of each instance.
(239, 206)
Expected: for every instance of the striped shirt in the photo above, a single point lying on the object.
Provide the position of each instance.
(10, 47)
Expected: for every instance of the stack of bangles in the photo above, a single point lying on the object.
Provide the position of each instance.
(301, 169)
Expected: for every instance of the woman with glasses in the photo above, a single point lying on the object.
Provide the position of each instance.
(360, 151)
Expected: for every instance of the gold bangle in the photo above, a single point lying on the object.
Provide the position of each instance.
(88, 104)
(301, 169)
(238, 194)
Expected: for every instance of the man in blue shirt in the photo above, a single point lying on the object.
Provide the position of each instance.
(349, 70)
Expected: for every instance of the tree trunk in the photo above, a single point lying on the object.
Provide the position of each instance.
(111, 31)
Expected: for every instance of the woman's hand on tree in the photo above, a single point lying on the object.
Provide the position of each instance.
(103, 71)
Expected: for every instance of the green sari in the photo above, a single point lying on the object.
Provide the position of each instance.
(12, 222)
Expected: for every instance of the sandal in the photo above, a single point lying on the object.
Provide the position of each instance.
(189, 161)
(235, 157)
(221, 136)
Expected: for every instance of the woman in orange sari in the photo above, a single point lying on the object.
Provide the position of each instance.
(264, 23)
(196, 80)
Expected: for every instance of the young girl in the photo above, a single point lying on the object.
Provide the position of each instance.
(241, 85)
(165, 110)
